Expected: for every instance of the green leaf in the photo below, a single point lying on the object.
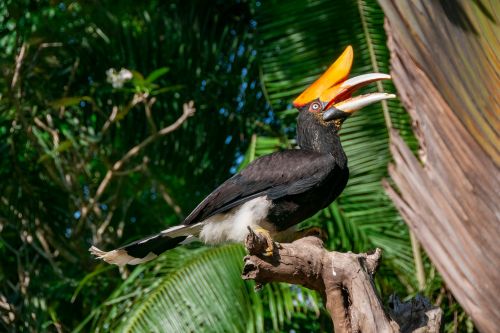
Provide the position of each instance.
(137, 76)
(163, 90)
(70, 101)
(87, 279)
(63, 146)
(154, 75)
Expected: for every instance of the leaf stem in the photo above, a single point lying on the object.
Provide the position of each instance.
(373, 59)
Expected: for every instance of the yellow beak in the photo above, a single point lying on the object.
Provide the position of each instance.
(336, 73)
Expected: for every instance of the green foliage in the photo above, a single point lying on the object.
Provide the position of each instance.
(194, 289)
(60, 137)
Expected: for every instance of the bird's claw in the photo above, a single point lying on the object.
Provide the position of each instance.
(268, 252)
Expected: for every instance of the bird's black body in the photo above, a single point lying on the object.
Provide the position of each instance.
(280, 190)
(299, 182)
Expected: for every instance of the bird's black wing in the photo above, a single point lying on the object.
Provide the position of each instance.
(283, 173)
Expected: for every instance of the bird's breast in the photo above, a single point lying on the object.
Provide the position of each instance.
(232, 226)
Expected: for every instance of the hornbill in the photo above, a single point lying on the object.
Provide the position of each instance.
(277, 191)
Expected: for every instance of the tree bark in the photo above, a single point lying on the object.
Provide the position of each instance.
(445, 67)
(345, 280)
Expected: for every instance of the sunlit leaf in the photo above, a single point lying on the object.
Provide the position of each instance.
(156, 74)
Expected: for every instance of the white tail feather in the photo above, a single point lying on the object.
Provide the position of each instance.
(121, 257)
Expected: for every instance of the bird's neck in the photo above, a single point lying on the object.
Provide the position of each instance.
(312, 134)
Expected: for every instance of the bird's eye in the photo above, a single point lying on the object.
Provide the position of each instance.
(315, 106)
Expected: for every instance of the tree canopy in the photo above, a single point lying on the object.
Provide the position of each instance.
(85, 92)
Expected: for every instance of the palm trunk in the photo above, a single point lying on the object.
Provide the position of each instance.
(447, 76)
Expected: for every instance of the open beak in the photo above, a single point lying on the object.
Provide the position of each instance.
(335, 91)
(339, 97)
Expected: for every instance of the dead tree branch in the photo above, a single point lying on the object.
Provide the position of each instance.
(188, 111)
(345, 280)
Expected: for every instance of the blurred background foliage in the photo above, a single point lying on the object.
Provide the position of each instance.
(65, 122)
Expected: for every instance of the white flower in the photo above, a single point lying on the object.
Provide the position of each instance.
(117, 79)
(125, 74)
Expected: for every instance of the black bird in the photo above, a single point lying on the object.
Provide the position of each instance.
(277, 191)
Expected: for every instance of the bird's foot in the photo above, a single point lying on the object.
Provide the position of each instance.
(269, 250)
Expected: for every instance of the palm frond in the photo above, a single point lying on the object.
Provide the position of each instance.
(195, 290)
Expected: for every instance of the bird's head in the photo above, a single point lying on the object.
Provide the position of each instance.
(330, 98)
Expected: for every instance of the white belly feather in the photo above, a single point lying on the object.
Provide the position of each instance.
(233, 225)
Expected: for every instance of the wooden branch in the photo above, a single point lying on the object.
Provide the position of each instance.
(147, 109)
(110, 120)
(188, 111)
(345, 280)
(17, 69)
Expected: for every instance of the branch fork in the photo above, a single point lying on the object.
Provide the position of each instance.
(188, 110)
